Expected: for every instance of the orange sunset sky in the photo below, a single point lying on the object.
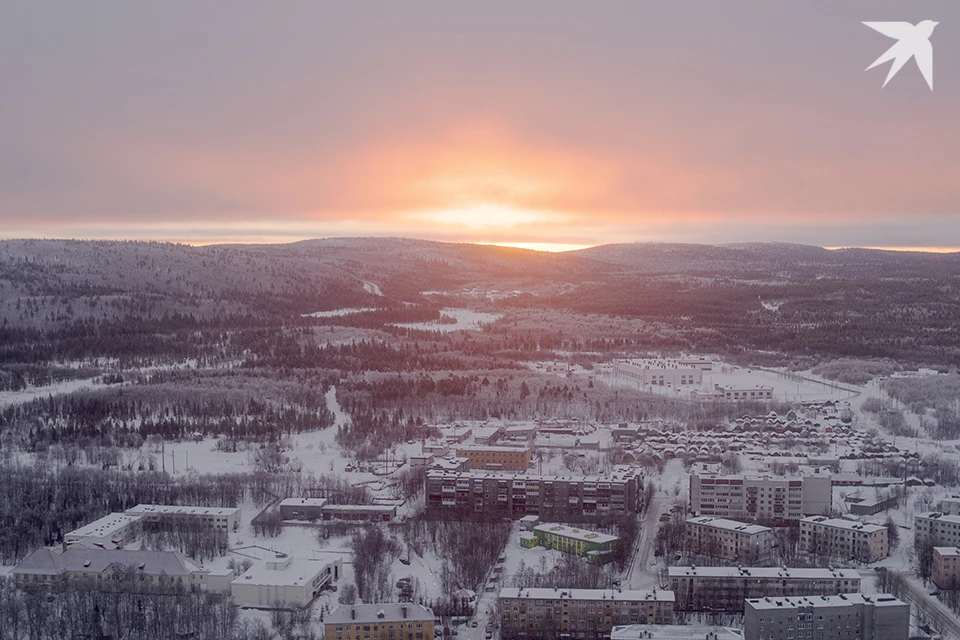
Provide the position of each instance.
(545, 124)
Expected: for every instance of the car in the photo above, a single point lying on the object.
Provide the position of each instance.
(489, 635)
(474, 624)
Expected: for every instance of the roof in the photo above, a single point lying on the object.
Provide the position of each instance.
(947, 551)
(105, 526)
(674, 632)
(619, 474)
(149, 509)
(392, 612)
(588, 594)
(491, 447)
(578, 534)
(360, 508)
(303, 502)
(843, 523)
(84, 560)
(847, 599)
(763, 572)
(729, 525)
(286, 572)
(937, 515)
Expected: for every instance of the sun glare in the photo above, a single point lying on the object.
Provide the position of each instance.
(550, 247)
(489, 216)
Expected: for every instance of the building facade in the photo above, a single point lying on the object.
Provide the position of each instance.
(946, 567)
(950, 506)
(514, 495)
(109, 532)
(496, 458)
(587, 614)
(223, 518)
(844, 539)
(842, 617)
(761, 497)
(387, 621)
(730, 540)
(937, 529)
(597, 547)
(661, 373)
(715, 589)
(285, 581)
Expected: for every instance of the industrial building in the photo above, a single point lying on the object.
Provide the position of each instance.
(223, 518)
(723, 589)
(946, 567)
(597, 547)
(760, 497)
(501, 494)
(842, 617)
(844, 539)
(496, 458)
(661, 373)
(285, 582)
(109, 532)
(588, 614)
(937, 529)
(730, 540)
(385, 621)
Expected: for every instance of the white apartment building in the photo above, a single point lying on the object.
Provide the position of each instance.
(729, 539)
(950, 506)
(225, 518)
(842, 538)
(109, 532)
(937, 528)
(760, 497)
(842, 617)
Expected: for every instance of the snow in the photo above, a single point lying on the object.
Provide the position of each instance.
(8, 398)
(338, 312)
(370, 287)
(467, 320)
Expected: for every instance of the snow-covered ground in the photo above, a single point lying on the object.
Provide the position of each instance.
(466, 320)
(336, 313)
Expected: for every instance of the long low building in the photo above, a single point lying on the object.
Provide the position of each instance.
(167, 515)
(842, 617)
(730, 540)
(47, 567)
(724, 589)
(500, 494)
(109, 532)
(588, 614)
(495, 458)
(286, 581)
(597, 547)
(363, 512)
(844, 539)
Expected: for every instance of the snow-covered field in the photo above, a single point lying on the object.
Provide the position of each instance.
(466, 320)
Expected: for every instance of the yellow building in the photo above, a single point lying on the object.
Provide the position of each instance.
(385, 621)
(496, 458)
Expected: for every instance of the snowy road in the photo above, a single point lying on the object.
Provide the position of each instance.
(639, 574)
(936, 613)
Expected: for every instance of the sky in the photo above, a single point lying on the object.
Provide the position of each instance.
(543, 123)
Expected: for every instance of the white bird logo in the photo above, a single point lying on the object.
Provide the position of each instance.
(913, 42)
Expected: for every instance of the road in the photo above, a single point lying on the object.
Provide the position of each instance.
(639, 574)
(936, 613)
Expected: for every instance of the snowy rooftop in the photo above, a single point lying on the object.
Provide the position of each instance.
(383, 612)
(937, 515)
(763, 572)
(303, 502)
(848, 599)
(729, 525)
(492, 447)
(83, 560)
(106, 526)
(674, 632)
(843, 523)
(578, 534)
(287, 571)
(148, 509)
(617, 475)
(947, 551)
(588, 594)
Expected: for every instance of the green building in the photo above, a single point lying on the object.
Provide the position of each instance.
(596, 547)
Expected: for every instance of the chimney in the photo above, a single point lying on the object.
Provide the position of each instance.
(404, 612)
(353, 613)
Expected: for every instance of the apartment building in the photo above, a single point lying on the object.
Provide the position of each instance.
(109, 532)
(661, 373)
(224, 518)
(842, 617)
(946, 567)
(586, 614)
(937, 529)
(385, 621)
(950, 506)
(760, 497)
(597, 547)
(501, 494)
(716, 589)
(729, 539)
(842, 538)
(496, 458)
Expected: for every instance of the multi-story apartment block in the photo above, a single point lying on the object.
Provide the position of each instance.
(225, 518)
(385, 621)
(496, 458)
(842, 538)
(725, 588)
(950, 506)
(597, 547)
(501, 494)
(946, 567)
(841, 617)
(936, 529)
(761, 497)
(587, 614)
(729, 539)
